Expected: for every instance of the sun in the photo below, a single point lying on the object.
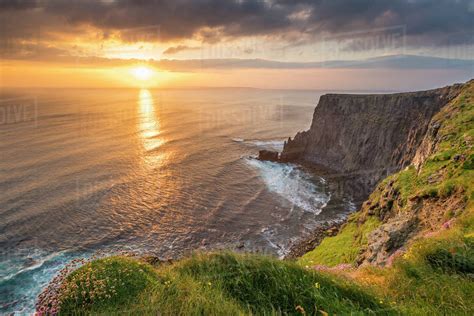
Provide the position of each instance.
(143, 73)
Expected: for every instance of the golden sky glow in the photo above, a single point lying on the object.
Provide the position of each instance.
(259, 44)
(41, 74)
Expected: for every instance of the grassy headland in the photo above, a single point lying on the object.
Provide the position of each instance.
(432, 271)
(212, 284)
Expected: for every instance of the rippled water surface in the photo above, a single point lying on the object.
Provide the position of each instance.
(149, 171)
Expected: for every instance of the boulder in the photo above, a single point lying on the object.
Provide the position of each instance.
(387, 239)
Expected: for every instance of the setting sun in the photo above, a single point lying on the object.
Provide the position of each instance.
(142, 73)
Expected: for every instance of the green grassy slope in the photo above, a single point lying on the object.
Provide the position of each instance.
(434, 273)
(342, 248)
(448, 172)
(212, 284)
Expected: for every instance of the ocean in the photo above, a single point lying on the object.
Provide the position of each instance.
(162, 172)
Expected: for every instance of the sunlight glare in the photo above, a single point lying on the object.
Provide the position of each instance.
(142, 73)
(149, 123)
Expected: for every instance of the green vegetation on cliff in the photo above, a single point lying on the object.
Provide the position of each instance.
(442, 184)
(419, 223)
(342, 248)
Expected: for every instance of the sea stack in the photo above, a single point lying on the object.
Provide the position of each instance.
(268, 155)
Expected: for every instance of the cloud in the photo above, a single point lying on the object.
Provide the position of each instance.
(425, 22)
(176, 49)
(50, 54)
(18, 4)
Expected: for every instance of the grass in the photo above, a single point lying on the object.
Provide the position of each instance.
(446, 172)
(267, 285)
(236, 284)
(110, 283)
(342, 248)
(219, 284)
(435, 275)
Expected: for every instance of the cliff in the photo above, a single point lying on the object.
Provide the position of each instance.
(371, 135)
(427, 205)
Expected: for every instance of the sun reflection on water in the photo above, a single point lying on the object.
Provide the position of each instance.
(149, 128)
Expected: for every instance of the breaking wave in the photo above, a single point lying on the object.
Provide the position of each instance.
(293, 184)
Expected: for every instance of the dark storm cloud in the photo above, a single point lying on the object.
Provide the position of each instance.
(426, 22)
(18, 4)
(177, 19)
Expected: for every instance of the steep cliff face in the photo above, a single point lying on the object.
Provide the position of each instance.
(433, 194)
(433, 191)
(368, 134)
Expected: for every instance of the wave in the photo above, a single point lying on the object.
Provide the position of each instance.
(275, 144)
(29, 273)
(293, 184)
(36, 265)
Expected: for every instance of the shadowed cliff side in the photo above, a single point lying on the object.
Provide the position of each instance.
(433, 194)
(370, 135)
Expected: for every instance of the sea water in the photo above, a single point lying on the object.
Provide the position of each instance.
(164, 172)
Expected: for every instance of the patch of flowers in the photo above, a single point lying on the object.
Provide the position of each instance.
(84, 286)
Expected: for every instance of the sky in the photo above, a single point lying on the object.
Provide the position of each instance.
(278, 44)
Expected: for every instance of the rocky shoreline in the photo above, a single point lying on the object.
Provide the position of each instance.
(341, 185)
(313, 240)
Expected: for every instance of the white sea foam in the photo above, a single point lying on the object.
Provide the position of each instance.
(274, 144)
(293, 184)
(268, 234)
(36, 265)
(23, 286)
(270, 144)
